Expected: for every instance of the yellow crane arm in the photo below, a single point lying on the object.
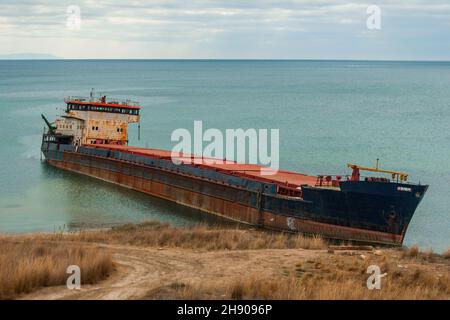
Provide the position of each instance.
(402, 175)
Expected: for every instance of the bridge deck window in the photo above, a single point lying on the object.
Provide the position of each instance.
(89, 107)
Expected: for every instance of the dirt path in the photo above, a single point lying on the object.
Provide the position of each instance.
(155, 273)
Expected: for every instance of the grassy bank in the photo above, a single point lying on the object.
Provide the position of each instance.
(156, 234)
(28, 265)
(217, 263)
(335, 277)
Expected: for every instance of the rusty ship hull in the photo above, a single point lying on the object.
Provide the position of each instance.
(362, 211)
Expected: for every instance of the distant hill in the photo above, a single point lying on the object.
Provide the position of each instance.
(28, 56)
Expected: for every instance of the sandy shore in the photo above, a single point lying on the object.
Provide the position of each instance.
(149, 273)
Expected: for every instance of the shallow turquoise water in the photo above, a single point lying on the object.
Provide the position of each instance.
(328, 112)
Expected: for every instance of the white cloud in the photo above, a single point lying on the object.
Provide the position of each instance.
(225, 29)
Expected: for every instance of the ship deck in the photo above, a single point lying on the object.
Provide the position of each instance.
(250, 171)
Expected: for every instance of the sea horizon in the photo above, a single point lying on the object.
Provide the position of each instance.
(222, 59)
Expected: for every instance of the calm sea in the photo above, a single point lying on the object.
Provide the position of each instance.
(328, 112)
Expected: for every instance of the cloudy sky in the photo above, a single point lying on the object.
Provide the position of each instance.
(264, 29)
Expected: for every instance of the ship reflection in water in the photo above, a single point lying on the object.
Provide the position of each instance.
(83, 202)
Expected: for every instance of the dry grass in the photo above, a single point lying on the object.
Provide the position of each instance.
(41, 260)
(446, 254)
(328, 278)
(322, 288)
(411, 252)
(28, 265)
(415, 253)
(37, 260)
(156, 234)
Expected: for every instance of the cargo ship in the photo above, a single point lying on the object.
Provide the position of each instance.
(91, 138)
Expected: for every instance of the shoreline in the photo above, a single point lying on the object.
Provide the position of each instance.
(157, 261)
(225, 226)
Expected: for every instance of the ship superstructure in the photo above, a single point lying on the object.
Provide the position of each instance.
(96, 120)
(92, 139)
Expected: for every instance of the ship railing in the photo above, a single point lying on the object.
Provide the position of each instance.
(376, 179)
(123, 102)
(333, 180)
(330, 180)
(290, 191)
(75, 98)
(48, 137)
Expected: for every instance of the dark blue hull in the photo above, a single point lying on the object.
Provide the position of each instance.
(380, 206)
